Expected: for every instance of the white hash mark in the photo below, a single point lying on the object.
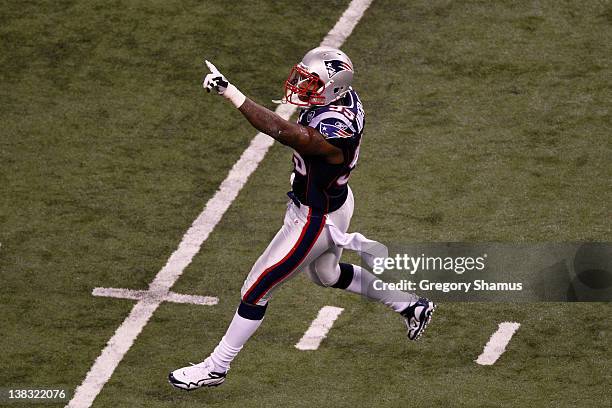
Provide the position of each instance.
(153, 296)
(319, 328)
(497, 343)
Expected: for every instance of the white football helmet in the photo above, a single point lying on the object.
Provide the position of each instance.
(323, 76)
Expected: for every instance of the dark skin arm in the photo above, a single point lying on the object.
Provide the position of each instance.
(303, 139)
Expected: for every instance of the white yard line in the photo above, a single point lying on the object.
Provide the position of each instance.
(346, 23)
(497, 343)
(126, 334)
(319, 328)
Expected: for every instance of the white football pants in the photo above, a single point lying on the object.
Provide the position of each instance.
(304, 243)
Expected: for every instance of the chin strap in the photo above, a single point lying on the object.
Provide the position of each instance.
(321, 90)
(324, 87)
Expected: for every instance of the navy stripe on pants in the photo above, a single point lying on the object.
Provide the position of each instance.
(282, 269)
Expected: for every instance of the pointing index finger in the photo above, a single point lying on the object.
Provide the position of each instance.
(211, 67)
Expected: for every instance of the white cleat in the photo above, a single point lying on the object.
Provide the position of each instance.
(196, 376)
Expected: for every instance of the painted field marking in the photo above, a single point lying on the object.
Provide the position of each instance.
(128, 331)
(125, 335)
(497, 343)
(147, 295)
(311, 340)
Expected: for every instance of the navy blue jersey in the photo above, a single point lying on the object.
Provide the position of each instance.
(316, 183)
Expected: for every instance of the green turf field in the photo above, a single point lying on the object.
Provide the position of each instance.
(486, 121)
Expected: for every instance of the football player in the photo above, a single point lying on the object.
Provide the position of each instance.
(325, 142)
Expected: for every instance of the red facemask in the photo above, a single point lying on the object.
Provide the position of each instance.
(305, 85)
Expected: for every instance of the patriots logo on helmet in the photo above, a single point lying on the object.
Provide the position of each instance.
(335, 66)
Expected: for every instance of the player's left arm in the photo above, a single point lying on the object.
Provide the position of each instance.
(305, 140)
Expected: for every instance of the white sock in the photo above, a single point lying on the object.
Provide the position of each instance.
(363, 284)
(223, 355)
(237, 334)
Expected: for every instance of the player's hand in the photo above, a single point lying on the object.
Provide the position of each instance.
(215, 80)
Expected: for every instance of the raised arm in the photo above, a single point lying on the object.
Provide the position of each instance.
(305, 140)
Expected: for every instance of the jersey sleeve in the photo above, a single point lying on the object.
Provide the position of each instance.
(338, 133)
(338, 124)
(336, 129)
(333, 128)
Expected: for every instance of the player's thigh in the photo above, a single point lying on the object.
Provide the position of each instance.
(319, 247)
(278, 248)
(297, 243)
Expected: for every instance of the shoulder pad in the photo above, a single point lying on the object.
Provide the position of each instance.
(333, 128)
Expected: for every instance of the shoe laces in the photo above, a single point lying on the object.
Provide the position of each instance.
(201, 365)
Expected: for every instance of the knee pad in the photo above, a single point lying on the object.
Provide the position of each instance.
(328, 279)
(312, 274)
(251, 312)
